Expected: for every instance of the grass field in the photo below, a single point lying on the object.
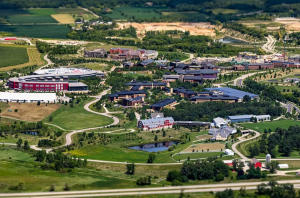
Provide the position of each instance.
(205, 146)
(196, 155)
(137, 12)
(35, 58)
(95, 66)
(30, 111)
(70, 11)
(10, 56)
(260, 127)
(78, 118)
(37, 31)
(22, 168)
(63, 18)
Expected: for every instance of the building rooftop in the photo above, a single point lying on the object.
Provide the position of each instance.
(145, 83)
(240, 117)
(163, 103)
(139, 98)
(232, 92)
(215, 97)
(126, 92)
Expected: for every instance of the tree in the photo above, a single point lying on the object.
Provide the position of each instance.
(40, 155)
(151, 157)
(272, 166)
(38, 103)
(228, 193)
(174, 175)
(19, 143)
(237, 164)
(130, 169)
(155, 138)
(246, 98)
(16, 110)
(26, 145)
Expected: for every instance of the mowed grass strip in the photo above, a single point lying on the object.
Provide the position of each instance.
(196, 155)
(205, 146)
(63, 18)
(35, 58)
(78, 118)
(261, 126)
(13, 56)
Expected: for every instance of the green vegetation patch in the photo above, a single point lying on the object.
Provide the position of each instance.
(37, 31)
(22, 168)
(31, 19)
(78, 118)
(71, 11)
(260, 127)
(198, 155)
(13, 56)
(137, 12)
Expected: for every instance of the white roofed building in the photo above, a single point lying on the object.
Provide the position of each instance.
(27, 97)
(219, 122)
(156, 123)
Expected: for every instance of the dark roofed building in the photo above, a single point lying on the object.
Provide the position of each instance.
(205, 73)
(184, 92)
(145, 84)
(163, 103)
(146, 62)
(133, 101)
(126, 94)
(210, 97)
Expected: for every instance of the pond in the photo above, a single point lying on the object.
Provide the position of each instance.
(228, 39)
(154, 147)
(31, 133)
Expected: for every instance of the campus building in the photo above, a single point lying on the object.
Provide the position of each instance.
(247, 118)
(53, 80)
(156, 124)
(183, 78)
(206, 97)
(232, 92)
(96, 53)
(204, 73)
(120, 54)
(27, 97)
(134, 85)
(162, 104)
(126, 95)
(221, 134)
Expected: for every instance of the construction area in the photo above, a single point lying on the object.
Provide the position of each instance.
(195, 28)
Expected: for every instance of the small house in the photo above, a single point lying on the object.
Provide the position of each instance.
(256, 163)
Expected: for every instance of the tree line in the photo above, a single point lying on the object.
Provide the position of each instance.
(44, 47)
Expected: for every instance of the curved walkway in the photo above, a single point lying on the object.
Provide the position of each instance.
(244, 158)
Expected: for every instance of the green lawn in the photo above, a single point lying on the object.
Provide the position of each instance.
(10, 56)
(22, 168)
(196, 155)
(260, 127)
(70, 11)
(78, 118)
(137, 12)
(31, 19)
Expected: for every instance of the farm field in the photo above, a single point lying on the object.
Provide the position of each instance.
(196, 155)
(63, 18)
(137, 12)
(261, 126)
(37, 31)
(226, 11)
(203, 137)
(29, 111)
(35, 58)
(10, 56)
(77, 117)
(205, 146)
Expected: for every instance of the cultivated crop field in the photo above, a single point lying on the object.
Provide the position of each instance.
(37, 31)
(29, 111)
(63, 18)
(34, 59)
(13, 56)
(137, 12)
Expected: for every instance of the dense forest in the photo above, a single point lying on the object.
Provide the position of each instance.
(209, 110)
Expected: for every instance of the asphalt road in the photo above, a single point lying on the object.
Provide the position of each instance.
(145, 191)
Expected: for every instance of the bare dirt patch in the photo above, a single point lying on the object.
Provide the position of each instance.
(30, 111)
(194, 28)
(63, 18)
(205, 146)
(203, 137)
